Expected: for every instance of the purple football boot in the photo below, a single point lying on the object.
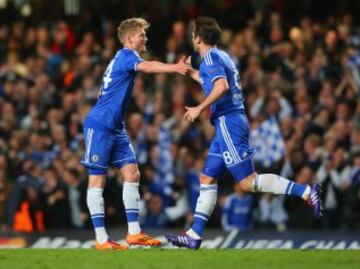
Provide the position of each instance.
(183, 240)
(315, 200)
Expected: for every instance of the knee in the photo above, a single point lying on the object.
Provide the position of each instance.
(247, 183)
(207, 180)
(132, 176)
(96, 181)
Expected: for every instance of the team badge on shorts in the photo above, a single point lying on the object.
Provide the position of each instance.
(95, 158)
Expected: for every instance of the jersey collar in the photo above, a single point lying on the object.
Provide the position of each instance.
(207, 52)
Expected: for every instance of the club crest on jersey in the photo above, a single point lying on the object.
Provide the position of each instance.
(95, 158)
(212, 71)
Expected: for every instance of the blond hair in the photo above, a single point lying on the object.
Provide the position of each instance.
(131, 25)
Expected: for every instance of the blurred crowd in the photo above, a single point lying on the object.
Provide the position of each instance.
(303, 74)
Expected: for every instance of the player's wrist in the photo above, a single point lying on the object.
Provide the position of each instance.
(175, 68)
(201, 107)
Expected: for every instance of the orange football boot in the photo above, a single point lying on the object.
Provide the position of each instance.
(142, 239)
(110, 245)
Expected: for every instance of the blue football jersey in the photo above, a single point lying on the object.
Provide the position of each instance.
(218, 64)
(115, 91)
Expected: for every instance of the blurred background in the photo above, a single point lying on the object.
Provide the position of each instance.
(300, 73)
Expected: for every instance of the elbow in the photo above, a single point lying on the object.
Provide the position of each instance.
(224, 89)
(222, 86)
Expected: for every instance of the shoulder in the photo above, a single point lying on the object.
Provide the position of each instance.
(124, 53)
(215, 57)
(127, 59)
(223, 56)
(118, 56)
(127, 53)
(210, 58)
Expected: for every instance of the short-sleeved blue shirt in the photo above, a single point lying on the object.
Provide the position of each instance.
(115, 92)
(218, 64)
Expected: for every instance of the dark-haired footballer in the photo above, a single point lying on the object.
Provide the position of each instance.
(230, 147)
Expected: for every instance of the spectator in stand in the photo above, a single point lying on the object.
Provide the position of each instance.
(54, 202)
(237, 211)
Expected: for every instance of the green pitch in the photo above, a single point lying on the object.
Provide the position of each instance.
(171, 259)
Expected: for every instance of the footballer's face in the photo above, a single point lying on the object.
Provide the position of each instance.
(195, 41)
(138, 40)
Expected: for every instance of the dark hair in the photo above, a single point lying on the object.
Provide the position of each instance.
(207, 29)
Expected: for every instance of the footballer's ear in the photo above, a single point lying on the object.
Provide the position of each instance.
(197, 40)
(128, 38)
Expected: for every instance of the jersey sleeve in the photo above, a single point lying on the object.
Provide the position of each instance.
(132, 59)
(214, 66)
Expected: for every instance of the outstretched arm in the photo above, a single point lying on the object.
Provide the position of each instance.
(220, 88)
(159, 67)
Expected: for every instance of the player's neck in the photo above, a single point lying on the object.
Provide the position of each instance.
(203, 49)
(128, 46)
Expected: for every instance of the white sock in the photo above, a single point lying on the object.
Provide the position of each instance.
(270, 183)
(95, 203)
(204, 207)
(131, 198)
(278, 185)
